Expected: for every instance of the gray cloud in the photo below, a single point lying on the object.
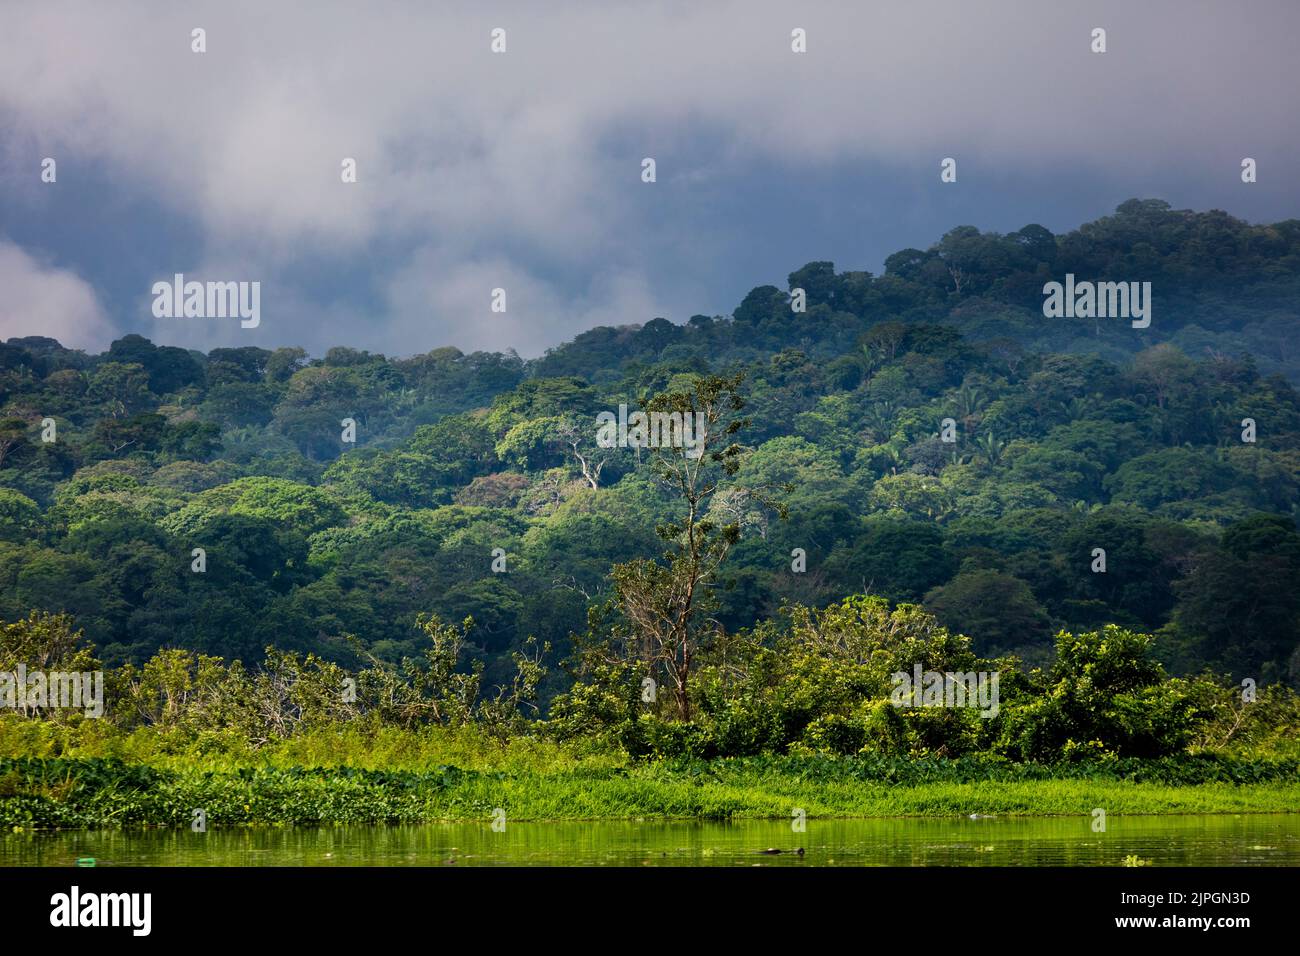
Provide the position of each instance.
(38, 298)
(522, 170)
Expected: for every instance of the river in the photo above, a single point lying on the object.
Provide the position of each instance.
(1200, 840)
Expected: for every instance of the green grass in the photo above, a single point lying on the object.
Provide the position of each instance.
(55, 777)
(278, 797)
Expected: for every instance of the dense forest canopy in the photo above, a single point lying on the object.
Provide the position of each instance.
(475, 486)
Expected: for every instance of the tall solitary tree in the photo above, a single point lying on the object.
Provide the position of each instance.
(664, 606)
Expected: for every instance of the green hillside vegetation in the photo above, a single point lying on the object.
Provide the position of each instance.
(827, 538)
(1069, 438)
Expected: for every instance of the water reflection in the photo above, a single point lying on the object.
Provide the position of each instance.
(1228, 840)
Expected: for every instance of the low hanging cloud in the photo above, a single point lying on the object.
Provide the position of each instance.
(41, 299)
(523, 168)
(536, 314)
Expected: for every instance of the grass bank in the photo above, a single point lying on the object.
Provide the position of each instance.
(52, 780)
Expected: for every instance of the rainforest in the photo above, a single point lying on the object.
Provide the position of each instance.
(356, 588)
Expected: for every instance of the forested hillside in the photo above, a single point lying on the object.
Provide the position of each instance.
(475, 487)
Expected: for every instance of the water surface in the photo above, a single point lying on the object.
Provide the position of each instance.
(1193, 840)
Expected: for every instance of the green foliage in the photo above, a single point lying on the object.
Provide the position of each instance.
(998, 610)
(1069, 437)
(291, 504)
(417, 782)
(1104, 695)
(19, 515)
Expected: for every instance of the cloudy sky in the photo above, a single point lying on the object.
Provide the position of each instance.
(522, 170)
